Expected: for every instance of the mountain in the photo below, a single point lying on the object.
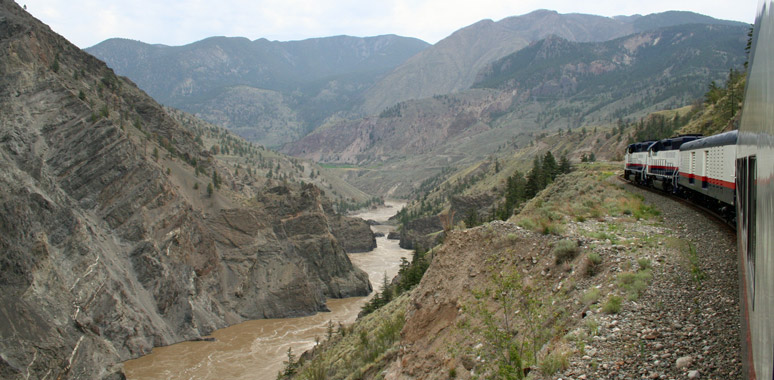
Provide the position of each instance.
(275, 92)
(270, 92)
(671, 61)
(453, 63)
(551, 84)
(120, 232)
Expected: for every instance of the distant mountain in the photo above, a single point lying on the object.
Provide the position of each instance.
(271, 92)
(553, 83)
(453, 63)
(669, 61)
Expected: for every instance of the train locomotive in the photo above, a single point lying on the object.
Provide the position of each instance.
(733, 173)
(693, 166)
(636, 158)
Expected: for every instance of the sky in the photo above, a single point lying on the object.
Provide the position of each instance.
(175, 22)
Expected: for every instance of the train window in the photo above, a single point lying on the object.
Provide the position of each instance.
(746, 204)
(751, 217)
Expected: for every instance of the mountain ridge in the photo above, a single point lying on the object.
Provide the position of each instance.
(265, 100)
(307, 80)
(502, 38)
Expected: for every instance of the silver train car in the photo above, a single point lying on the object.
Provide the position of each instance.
(707, 172)
(755, 201)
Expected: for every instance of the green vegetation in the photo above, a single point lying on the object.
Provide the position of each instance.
(519, 189)
(554, 362)
(594, 260)
(342, 206)
(291, 366)
(634, 283)
(720, 109)
(505, 351)
(409, 275)
(591, 296)
(613, 305)
(358, 351)
(659, 126)
(696, 273)
(589, 192)
(564, 251)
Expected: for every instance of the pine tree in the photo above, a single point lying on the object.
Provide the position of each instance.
(550, 167)
(564, 164)
(535, 179)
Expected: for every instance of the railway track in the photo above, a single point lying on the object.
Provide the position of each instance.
(729, 224)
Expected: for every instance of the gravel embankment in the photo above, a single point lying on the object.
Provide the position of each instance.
(680, 327)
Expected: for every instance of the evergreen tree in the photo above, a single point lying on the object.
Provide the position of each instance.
(535, 179)
(564, 164)
(216, 179)
(514, 195)
(550, 167)
(291, 366)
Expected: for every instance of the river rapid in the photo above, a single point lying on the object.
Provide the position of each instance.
(256, 349)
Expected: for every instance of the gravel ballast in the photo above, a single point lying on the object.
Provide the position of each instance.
(686, 324)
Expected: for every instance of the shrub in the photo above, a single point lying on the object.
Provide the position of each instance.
(635, 283)
(613, 305)
(553, 363)
(593, 262)
(565, 250)
(591, 296)
(551, 228)
(592, 326)
(527, 224)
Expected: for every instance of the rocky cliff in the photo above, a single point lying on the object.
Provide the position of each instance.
(354, 234)
(106, 249)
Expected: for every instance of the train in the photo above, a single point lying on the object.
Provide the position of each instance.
(732, 173)
(692, 166)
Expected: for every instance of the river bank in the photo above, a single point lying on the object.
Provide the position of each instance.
(256, 349)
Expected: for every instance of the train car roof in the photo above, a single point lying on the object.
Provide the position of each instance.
(673, 143)
(641, 146)
(727, 138)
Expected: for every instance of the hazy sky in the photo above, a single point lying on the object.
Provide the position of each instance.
(178, 22)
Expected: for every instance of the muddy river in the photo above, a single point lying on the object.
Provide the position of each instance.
(256, 349)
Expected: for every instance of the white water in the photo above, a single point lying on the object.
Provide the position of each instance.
(256, 349)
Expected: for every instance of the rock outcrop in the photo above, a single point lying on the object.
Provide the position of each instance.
(106, 251)
(354, 234)
(424, 232)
